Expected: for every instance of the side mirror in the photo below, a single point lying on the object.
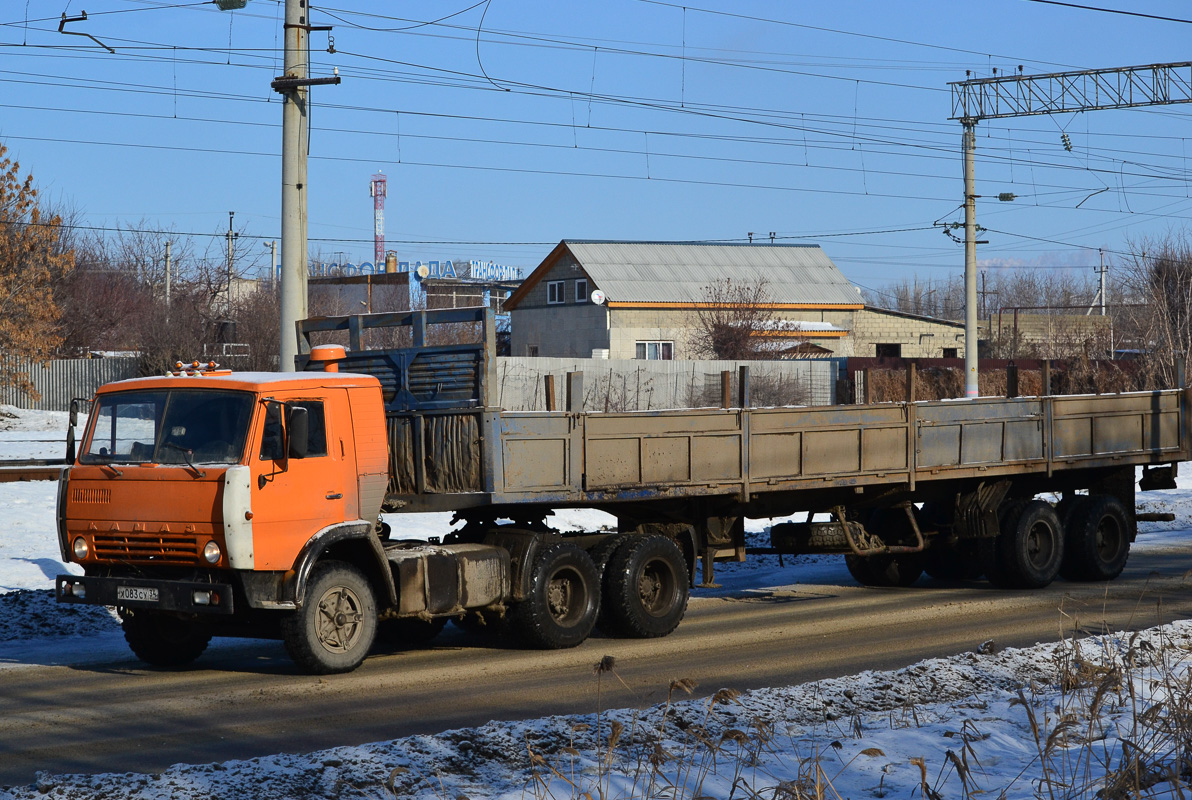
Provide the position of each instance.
(73, 422)
(297, 431)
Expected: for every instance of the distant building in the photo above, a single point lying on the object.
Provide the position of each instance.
(648, 296)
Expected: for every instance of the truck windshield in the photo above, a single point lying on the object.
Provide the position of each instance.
(169, 426)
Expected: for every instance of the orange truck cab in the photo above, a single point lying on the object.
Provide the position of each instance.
(203, 500)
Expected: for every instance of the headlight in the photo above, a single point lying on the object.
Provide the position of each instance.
(80, 548)
(211, 552)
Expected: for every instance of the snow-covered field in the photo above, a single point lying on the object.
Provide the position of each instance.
(1055, 720)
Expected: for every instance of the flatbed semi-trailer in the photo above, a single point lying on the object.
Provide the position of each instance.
(214, 503)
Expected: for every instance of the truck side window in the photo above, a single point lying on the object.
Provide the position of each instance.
(273, 440)
(316, 441)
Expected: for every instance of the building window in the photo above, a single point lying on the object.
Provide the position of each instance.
(532, 350)
(656, 351)
(581, 290)
(889, 351)
(554, 292)
(949, 352)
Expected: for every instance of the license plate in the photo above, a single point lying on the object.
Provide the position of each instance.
(142, 594)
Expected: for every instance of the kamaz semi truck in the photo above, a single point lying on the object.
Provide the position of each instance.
(209, 503)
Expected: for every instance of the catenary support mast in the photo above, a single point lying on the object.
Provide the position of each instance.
(1053, 93)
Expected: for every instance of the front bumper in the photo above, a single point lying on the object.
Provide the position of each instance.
(162, 595)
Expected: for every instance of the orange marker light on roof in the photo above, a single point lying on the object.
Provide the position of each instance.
(329, 355)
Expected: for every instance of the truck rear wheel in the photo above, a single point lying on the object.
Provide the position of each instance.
(645, 588)
(336, 626)
(563, 600)
(1097, 540)
(1029, 549)
(163, 640)
(885, 570)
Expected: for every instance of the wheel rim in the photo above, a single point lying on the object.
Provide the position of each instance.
(339, 623)
(656, 587)
(1040, 545)
(1109, 539)
(566, 596)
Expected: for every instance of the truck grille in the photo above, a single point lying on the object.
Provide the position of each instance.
(170, 548)
(101, 496)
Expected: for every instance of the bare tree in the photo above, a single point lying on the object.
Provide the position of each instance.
(30, 259)
(732, 320)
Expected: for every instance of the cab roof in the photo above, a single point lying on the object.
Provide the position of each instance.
(246, 381)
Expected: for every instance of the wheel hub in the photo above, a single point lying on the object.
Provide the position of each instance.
(338, 625)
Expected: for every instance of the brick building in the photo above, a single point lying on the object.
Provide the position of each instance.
(626, 300)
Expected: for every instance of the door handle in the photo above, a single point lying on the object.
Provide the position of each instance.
(335, 496)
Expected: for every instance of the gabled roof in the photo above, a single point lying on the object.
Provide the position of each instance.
(670, 274)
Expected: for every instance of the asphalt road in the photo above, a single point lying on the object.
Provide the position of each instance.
(116, 715)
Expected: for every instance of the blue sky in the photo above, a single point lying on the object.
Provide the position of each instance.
(625, 119)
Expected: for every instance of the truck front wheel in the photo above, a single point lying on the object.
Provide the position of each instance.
(336, 626)
(645, 588)
(563, 600)
(163, 640)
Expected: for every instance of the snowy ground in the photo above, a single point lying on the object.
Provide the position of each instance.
(1052, 720)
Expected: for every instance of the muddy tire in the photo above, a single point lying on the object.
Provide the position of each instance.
(956, 561)
(601, 554)
(646, 587)
(1097, 540)
(410, 631)
(885, 570)
(1029, 548)
(163, 640)
(337, 624)
(562, 602)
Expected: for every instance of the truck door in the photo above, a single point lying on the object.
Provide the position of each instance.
(293, 498)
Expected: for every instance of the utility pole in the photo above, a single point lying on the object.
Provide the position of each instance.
(293, 87)
(232, 236)
(272, 261)
(167, 280)
(1102, 270)
(969, 142)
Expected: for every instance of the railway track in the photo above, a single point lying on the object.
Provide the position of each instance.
(30, 469)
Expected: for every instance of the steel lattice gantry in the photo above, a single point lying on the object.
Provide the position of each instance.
(1053, 93)
(1064, 92)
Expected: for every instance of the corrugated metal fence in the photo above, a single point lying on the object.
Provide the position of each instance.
(60, 381)
(631, 385)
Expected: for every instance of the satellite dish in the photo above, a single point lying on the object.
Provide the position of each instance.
(423, 271)
(597, 297)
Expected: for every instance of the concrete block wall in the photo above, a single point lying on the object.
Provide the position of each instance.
(918, 338)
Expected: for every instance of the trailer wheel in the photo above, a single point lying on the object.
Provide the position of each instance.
(601, 553)
(645, 588)
(336, 626)
(163, 640)
(1097, 540)
(410, 631)
(884, 570)
(563, 600)
(952, 561)
(1030, 547)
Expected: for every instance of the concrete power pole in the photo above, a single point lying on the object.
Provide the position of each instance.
(969, 140)
(167, 280)
(231, 235)
(293, 87)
